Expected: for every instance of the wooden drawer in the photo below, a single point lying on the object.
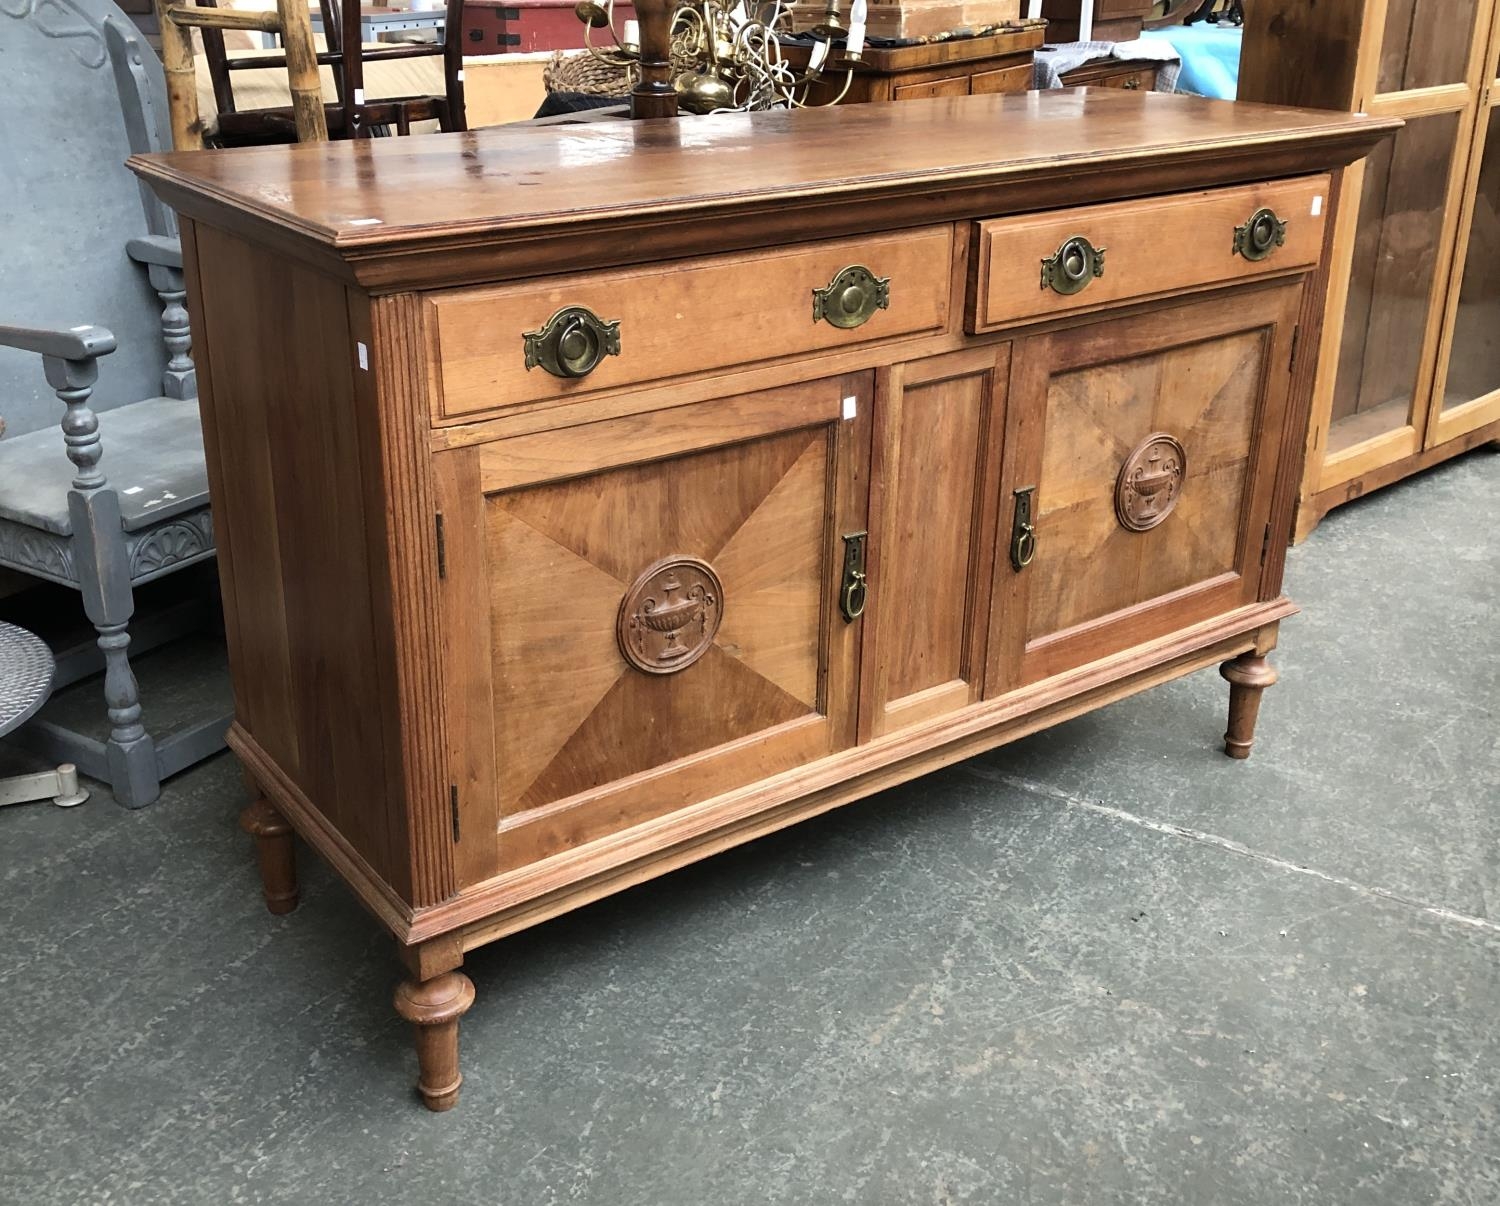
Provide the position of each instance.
(1151, 248)
(1140, 80)
(1004, 79)
(680, 318)
(953, 85)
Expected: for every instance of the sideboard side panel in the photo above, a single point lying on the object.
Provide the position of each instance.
(401, 498)
(281, 424)
(1297, 437)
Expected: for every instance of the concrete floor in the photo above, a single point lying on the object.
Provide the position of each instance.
(1104, 965)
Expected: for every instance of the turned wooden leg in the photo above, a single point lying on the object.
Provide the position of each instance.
(1248, 675)
(274, 852)
(434, 1007)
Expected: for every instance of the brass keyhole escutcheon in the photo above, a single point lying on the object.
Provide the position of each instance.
(851, 298)
(1076, 263)
(572, 343)
(1260, 236)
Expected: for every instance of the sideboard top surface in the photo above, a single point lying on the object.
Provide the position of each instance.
(856, 166)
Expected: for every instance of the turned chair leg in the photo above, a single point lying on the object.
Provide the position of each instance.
(104, 580)
(434, 1007)
(1248, 676)
(275, 854)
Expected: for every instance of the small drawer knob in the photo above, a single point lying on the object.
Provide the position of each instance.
(1076, 264)
(572, 343)
(851, 298)
(1260, 236)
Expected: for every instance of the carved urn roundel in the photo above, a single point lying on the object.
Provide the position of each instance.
(670, 614)
(1150, 482)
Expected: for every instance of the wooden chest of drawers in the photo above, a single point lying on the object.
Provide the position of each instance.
(999, 62)
(593, 500)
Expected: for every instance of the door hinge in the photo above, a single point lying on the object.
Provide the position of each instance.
(442, 548)
(1296, 341)
(1265, 544)
(453, 809)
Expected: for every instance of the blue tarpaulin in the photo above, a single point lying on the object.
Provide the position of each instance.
(1210, 58)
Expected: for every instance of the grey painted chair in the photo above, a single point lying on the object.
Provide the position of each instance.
(99, 275)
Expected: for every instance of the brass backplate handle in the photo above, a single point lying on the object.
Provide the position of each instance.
(855, 591)
(1076, 263)
(572, 343)
(1022, 531)
(1260, 236)
(851, 298)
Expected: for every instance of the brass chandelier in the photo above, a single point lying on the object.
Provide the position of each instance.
(713, 56)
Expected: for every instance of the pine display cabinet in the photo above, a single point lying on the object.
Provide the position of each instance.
(1411, 342)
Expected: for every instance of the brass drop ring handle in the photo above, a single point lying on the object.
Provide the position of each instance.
(855, 589)
(851, 298)
(1076, 263)
(1260, 236)
(572, 343)
(1022, 531)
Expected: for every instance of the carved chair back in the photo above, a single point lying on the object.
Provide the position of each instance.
(69, 206)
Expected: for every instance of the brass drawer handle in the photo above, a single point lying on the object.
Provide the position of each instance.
(851, 298)
(1022, 531)
(572, 343)
(854, 592)
(1076, 263)
(1260, 236)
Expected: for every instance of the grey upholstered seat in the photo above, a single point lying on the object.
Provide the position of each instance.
(153, 457)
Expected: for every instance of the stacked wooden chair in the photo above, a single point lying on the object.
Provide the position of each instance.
(290, 19)
(311, 117)
(93, 331)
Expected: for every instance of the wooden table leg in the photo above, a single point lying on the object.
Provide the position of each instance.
(274, 852)
(1248, 676)
(434, 1007)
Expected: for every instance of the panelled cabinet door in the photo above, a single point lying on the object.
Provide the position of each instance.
(644, 612)
(938, 430)
(1140, 462)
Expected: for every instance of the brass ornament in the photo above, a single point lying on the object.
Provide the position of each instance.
(571, 343)
(702, 92)
(1150, 482)
(1260, 236)
(1073, 267)
(851, 298)
(595, 16)
(670, 614)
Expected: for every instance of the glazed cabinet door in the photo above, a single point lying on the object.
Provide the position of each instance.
(645, 612)
(938, 428)
(1141, 456)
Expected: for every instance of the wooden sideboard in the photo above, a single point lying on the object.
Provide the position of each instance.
(996, 63)
(596, 500)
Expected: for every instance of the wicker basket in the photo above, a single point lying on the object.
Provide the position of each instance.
(574, 71)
